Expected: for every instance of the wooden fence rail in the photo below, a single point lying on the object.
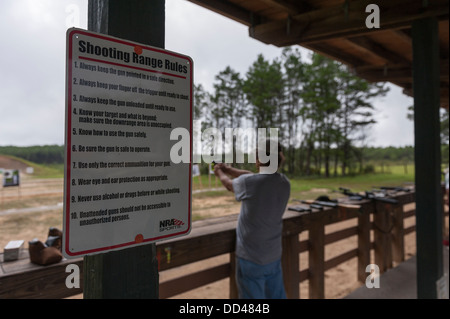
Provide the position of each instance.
(216, 236)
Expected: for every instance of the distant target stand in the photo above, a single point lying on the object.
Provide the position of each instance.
(11, 177)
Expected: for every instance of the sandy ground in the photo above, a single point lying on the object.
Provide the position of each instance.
(339, 281)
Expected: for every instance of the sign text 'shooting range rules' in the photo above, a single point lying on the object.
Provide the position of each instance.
(122, 101)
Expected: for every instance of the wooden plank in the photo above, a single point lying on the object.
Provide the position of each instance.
(333, 262)
(382, 226)
(317, 261)
(179, 285)
(226, 9)
(289, 7)
(409, 229)
(397, 72)
(398, 236)
(341, 21)
(410, 213)
(340, 234)
(363, 245)
(290, 264)
(210, 241)
(43, 282)
(234, 293)
(303, 246)
(303, 275)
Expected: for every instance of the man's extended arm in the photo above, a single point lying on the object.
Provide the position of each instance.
(233, 172)
(222, 171)
(224, 179)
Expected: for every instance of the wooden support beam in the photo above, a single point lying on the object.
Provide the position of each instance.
(401, 35)
(291, 8)
(398, 234)
(399, 72)
(363, 245)
(344, 20)
(382, 235)
(427, 153)
(131, 272)
(316, 259)
(335, 54)
(234, 292)
(227, 9)
(367, 46)
(290, 264)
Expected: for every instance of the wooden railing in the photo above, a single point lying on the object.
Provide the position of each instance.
(216, 237)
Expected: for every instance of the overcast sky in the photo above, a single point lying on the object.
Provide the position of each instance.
(32, 66)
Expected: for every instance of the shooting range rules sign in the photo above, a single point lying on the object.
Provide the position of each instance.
(123, 100)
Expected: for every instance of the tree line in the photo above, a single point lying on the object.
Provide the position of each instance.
(40, 154)
(322, 110)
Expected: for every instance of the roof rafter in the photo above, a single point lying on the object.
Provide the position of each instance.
(227, 9)
(291, 8)
(397, 72)
(344, 20)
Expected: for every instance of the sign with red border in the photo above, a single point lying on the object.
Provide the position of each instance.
(123, 99)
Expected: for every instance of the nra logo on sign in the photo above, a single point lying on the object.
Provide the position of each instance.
(169, 224)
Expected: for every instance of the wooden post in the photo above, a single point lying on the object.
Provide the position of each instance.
(131, 272)
(427, 154)
(382, 235)
(234, 294)
(291, 266)
(398, 234)
(317, 260)
(363, 245)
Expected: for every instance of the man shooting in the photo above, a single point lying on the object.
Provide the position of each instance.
(264, 197)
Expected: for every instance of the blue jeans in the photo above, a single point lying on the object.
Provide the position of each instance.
(256, 281)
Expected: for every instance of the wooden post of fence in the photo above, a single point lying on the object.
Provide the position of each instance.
(363, 245)
(398, 234)
(317, 260)
(382, 233)
(291, 266)
(233, 286)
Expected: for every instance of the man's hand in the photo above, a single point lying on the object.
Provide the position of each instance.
(224, 179)
(219, 166)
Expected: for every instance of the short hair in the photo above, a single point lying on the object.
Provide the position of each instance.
(280, 152)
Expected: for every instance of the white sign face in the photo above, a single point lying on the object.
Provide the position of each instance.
(122, 101)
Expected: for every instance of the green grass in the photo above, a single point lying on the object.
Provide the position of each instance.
(311, 187)
(357, 183)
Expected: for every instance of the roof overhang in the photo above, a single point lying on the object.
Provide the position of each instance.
(337, 29)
